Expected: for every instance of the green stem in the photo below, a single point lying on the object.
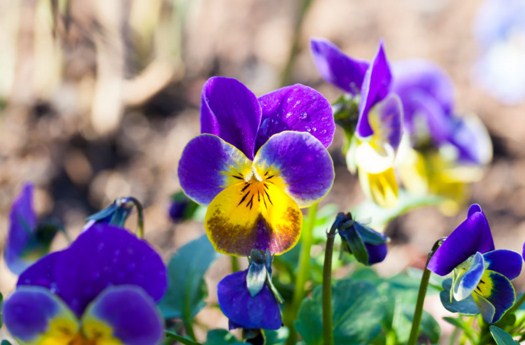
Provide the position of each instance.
(418, 312)
(327, 285)
(236, 267)
(140, 216)
(516, 305)
(303, 270)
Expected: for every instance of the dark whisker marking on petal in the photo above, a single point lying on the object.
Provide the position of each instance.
(481, 281)
(265, 186)
(268, 196)
(238, 177)
(246, 185)
(258, 196)
(243, 198)
(250, 203)
(271, 176)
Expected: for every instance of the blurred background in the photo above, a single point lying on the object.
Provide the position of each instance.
(98, 98)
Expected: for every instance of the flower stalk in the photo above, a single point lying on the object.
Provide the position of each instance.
(418, 313)
(327, 280)
(303, 270)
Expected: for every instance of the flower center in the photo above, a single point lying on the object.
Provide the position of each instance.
(255, 188)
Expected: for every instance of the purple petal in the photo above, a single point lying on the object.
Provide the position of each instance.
(376, 253)
(302, 161)
(471, 139)
(129, 312)
(495, 296)
(418, 83)
(391, 120)
(231, 111)
(206, 166)
(243, 310)
(22, 224)
(336, 67)
(376, 86)
(471, 236)
(42, 272)
(505, 262)
(103, 255)
(296, 108)
(30, 311)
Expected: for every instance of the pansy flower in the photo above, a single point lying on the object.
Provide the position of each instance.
(443, 152)
(374, 116)
(479, 270)
(258, 161)
(100, 290)
(27, 239)
(248, 298)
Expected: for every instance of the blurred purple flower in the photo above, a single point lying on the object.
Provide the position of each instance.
(27, 240)
(100, 289)
(428, 103)
(480, 271)
(500, 30)
(258, 161)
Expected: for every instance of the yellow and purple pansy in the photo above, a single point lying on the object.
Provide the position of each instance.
(479, 270)
(27, 239)
(443, 152)
(378, 127)
(99, 291)
(257, 162)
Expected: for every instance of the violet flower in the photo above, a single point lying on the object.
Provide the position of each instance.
(444, 151)
(27, 240)
(258, 161)
(373, 120)
(248, 298)
(479, 270)
(100, 290)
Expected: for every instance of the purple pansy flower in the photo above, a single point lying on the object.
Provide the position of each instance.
(426, 93)
(480, 270)
(257, 162)
(244, 310)
(27, 240)
(102, 289)
(377, 119)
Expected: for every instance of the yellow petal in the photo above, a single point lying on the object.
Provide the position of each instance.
(256, 214)
(381, 187)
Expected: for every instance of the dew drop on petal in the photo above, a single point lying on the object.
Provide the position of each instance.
(303, 115)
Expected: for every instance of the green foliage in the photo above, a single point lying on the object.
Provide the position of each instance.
(5, 342)
(501, 337)
(222, 337)
(186, 286)
(170, 335)
(1, 309)
(465, 307)
(357, 314)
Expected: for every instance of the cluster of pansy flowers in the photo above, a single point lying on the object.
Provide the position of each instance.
(257, 162)
(102, 289)
(401, 120)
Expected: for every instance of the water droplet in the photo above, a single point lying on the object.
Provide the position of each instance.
(308, 129)
(303, 115)
(288, 114)
(323, 131)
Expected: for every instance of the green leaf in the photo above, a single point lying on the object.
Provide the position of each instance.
(501, 337)
(5, 342)
(221, 337)
(357, 314)
(277, 337)
(186, 286)
(465, 307)
(170, 335)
